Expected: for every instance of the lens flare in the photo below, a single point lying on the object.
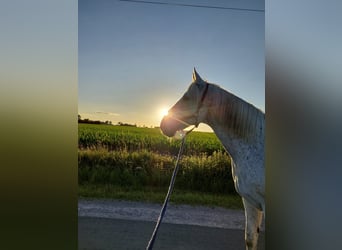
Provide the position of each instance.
(179, 134)
(164, 112)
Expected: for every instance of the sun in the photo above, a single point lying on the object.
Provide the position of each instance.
(163, 112)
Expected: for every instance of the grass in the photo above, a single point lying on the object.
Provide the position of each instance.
(138, 169)
(131, 163)
(157, 195)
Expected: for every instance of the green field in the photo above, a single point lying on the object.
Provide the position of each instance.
(131, 139)
(137, 163)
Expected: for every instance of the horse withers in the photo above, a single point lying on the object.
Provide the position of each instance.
(240, 127)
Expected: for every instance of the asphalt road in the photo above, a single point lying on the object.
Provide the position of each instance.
(108, 233)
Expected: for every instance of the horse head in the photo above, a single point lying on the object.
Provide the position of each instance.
(188, 110)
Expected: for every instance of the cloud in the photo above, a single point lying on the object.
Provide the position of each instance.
(106, 113)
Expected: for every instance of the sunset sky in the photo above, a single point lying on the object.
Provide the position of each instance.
(136, 59)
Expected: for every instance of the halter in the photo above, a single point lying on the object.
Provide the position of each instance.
(196, 114)
(200, 104)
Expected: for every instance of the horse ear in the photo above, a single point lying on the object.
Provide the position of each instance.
(195, 76)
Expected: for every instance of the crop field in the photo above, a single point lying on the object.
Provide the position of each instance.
(131, 158)
(126, 138)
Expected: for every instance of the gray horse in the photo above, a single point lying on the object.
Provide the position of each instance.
(240, 127)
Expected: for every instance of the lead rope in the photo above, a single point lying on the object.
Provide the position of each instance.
(172, 182)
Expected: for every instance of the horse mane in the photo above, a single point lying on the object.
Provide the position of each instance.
(238, 116)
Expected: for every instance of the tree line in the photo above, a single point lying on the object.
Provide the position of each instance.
(80, 120)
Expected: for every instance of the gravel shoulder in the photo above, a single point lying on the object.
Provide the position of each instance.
(175, 214)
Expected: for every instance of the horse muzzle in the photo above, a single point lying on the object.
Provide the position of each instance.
(168, 126)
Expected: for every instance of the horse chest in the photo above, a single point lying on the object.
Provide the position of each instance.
(248, 170)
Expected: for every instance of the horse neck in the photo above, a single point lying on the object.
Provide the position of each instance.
(221, 120)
